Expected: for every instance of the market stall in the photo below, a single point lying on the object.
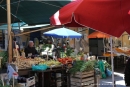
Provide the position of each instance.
(49, 68)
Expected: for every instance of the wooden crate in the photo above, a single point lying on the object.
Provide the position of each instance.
(82, 86)
(58, 75)
(59, 83)
(86, 83)
(82, 79)
(83, 74)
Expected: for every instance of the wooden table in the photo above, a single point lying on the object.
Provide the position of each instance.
(23, 72)
(44, 77)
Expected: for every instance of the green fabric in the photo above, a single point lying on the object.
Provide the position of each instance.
(102, 68)
(31, 12)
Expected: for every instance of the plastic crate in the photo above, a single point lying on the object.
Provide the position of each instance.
(29, 82)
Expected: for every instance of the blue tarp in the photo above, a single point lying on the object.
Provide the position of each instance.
(15, 26)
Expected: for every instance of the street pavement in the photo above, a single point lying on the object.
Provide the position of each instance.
(119, 78)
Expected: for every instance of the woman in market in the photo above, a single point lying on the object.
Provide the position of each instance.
(16, 45)
(30, 50)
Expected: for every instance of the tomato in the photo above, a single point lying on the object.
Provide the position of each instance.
(81, 58)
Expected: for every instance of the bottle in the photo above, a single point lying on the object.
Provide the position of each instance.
(23, 54)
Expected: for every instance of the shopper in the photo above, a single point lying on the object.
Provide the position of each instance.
(30, 50)
(127, 73)
(16, 45)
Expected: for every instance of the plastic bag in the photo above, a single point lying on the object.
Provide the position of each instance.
(39, 67)
(108, 72)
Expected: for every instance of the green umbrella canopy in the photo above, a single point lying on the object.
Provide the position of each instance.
(31, 12)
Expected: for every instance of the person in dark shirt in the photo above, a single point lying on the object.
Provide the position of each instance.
(30, 49)
(127, 73)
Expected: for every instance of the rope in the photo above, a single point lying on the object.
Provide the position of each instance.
(16, 11)
(50, 4)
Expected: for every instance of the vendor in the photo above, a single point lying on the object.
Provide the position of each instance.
(30, 50)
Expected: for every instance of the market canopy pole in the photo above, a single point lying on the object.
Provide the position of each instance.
(47, 28)
(9, 32)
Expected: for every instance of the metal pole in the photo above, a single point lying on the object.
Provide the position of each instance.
(113, 83)
(9, 31)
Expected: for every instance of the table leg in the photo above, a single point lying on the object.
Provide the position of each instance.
(42, 79)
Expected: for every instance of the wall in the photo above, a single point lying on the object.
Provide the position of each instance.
(124, 39)
(83, 43)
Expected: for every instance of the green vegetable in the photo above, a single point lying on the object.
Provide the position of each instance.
(107, 65)
(69, 51)
(81, 66)
(76, 67)
(2, 85)
(87, 66)
(4, 54)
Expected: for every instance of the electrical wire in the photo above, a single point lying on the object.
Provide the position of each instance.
(10, 3)
(49, 4)
(16, 14)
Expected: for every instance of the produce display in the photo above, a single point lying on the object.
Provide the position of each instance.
(4, 55)
(50, 63)
(23, 63)
(65, 60)
(82, 66)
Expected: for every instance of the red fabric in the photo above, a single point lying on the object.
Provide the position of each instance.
(98, 35)
(15, 74)
(129, 12)
(108, 16)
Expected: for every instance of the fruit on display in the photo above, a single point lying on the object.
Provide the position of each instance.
(50, 63)
(65, 60)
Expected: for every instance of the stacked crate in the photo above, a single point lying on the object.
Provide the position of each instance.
(59, 80)
(82, 79)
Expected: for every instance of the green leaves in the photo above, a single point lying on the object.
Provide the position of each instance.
(87, 66)
(107, 65)
(4, 54)
(69, 51)
(2, 85)
(81, 66)
(76, 67)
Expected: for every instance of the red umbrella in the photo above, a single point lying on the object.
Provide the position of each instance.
(108, 16)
